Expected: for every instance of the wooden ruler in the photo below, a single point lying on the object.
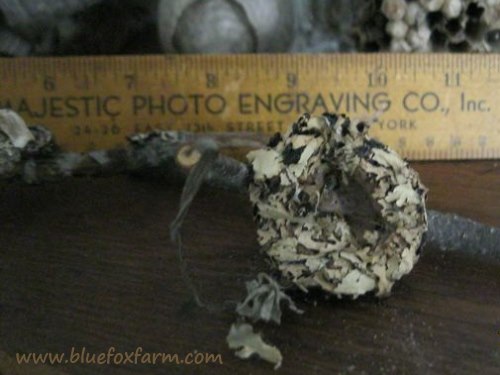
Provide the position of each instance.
(434, 106)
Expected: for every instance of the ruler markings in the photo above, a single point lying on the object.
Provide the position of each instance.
(264, 93)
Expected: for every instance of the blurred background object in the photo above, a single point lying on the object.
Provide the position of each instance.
(93, 27)
(430, 26)
(190, 26)
(78, 27)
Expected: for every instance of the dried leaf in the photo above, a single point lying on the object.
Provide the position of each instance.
(263, 301)
(15, 128)
(242, 337)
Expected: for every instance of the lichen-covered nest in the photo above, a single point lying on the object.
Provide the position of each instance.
(335, 208)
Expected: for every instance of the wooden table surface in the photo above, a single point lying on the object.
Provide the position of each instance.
(88, 263)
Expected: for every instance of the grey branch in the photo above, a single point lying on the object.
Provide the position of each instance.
(177, 152)
(450, 232)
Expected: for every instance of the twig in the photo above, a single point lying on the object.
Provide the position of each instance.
(196, 156)
(178, 152)
(165, 150)
(450, 232)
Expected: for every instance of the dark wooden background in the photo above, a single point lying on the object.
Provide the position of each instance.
(88, 263)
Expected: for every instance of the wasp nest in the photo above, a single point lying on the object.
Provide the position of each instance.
(431, 25)
(336, 209)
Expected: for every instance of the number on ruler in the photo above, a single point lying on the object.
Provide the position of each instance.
(482, 140)
(212, 81)
(377, 79)
(292, 80)
(455, 141)
(131, 80)
(452, 80)
(49, 83)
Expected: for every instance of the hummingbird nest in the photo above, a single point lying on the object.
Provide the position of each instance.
(431, 26)
(336, 209)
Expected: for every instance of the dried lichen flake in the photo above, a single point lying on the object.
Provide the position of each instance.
(248, 343)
